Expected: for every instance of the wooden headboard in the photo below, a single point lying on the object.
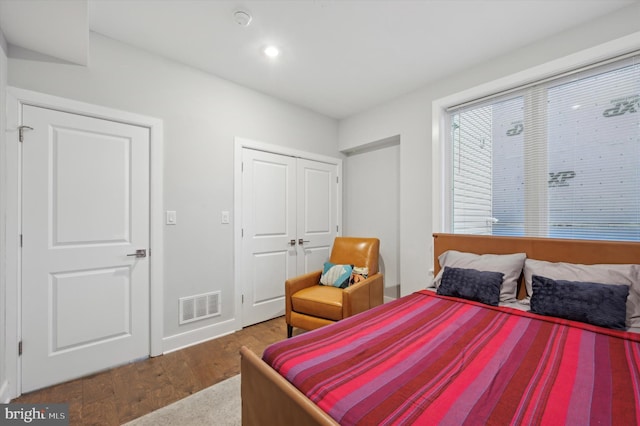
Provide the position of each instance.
(550, 249)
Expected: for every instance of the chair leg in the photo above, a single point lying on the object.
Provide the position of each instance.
(289, 331)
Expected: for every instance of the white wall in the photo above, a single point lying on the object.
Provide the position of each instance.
(410, 117)
(372, 204)
(202, 114)
(3, 282)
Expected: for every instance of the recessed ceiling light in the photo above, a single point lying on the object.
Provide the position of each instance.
(271, 51)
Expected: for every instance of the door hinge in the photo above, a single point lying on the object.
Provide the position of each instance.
(241, 232)
(243, 298)
(337, 179)
(20, 240)
(337, 228)
(21, 130)
(20, 348)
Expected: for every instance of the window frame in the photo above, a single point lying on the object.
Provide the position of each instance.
(441, 155)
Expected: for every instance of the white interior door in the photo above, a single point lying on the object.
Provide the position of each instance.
(269, 232)
(289, 220)
(317, 213)
(85, 211)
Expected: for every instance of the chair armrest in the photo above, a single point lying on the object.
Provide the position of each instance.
(363, 295)
(295, 284)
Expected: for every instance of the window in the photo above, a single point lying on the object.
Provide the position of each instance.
(560, 158)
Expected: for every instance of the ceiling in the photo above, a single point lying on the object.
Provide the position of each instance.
(337, 57)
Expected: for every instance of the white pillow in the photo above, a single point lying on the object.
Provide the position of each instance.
(627, 274)
(509, 264)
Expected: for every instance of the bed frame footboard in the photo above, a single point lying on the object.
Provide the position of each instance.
(268, 398)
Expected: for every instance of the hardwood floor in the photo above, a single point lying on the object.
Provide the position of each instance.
(124, 393)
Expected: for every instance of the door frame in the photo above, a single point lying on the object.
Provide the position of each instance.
(16, 98)
(241, 143)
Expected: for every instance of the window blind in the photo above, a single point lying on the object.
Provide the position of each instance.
(560, 158)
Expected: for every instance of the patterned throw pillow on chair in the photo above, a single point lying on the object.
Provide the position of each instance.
(360, 273)
(336, 275)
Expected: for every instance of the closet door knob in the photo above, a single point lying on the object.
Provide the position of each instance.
(139, 253)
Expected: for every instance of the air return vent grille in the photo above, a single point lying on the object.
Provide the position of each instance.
(194, 308)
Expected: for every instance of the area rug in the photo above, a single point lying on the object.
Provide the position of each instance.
(218, 405)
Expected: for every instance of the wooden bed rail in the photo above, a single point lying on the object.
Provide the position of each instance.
(268, 398)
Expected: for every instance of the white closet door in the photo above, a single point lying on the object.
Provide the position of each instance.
(289, 219)
(269, 228)
(317, 213)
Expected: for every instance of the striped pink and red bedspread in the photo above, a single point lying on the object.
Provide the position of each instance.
(426, 359)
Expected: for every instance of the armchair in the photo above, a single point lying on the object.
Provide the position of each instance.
(310, 305)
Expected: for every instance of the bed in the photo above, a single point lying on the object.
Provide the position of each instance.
(430, 358)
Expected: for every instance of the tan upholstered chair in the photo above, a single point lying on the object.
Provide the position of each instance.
(310, 305)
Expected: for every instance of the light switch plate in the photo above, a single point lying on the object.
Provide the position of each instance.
(224, 217)
(171, 217)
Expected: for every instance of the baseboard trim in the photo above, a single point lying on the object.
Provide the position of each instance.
(200, 335)
(388, 299)
(5, 397)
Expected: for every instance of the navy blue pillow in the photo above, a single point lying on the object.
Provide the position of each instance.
(604, 305)
(481, 286)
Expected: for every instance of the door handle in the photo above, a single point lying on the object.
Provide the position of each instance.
(292, 242)
(139, 253)
(301, 241)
